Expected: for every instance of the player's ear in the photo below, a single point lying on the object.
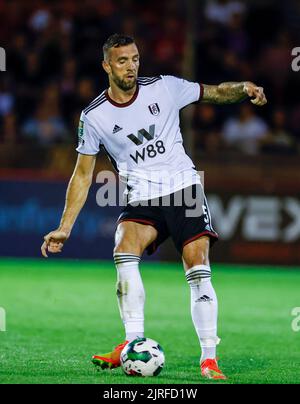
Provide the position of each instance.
(106, 66)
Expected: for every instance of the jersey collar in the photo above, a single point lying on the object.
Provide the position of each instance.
(124, 104)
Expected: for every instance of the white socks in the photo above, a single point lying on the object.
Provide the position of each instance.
(204, 309)
(131, 300)
(131, 294)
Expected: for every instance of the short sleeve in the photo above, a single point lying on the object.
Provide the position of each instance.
(182, 91)
(88, 139)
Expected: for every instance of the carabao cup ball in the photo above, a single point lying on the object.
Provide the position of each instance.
(142, 357)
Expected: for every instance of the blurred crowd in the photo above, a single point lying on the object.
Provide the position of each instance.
(54, 53)
(250, 40)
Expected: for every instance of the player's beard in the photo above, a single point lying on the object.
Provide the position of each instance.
(125, 85)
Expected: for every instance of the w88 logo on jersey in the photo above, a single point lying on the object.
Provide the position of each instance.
(151, 151)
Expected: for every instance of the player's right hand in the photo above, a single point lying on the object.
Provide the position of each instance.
(53, 242)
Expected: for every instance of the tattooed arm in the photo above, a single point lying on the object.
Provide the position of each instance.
(229, 93)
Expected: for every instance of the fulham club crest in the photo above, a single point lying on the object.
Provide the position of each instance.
(154, 109)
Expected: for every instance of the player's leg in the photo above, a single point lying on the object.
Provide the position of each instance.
(204, 303)
(131, 239)
(204, 306)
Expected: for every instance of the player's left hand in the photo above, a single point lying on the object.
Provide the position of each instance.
(256, 93)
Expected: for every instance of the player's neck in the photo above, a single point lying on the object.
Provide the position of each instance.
(120, 96)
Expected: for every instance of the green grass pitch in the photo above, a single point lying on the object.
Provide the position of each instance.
(59, 313)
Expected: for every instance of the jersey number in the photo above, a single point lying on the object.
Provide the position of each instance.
(150, 150)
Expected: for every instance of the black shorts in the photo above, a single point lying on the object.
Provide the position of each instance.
(183, 215)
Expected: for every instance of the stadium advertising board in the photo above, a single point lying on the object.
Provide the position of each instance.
(252, 228)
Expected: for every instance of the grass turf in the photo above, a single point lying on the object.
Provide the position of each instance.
(59, 313)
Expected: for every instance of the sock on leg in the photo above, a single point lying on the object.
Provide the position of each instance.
(131, 294)
(204, 309)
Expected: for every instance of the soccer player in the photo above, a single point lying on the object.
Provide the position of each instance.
(136, 120)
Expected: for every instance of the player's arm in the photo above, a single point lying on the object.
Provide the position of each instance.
(230, 93)
(76, 195)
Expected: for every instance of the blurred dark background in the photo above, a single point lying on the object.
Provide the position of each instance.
(250, 155)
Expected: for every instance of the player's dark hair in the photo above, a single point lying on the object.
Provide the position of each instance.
(115, 41)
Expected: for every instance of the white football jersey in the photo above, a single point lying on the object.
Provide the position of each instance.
(142, 137)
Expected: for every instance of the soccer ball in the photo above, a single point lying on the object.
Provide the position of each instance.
(142, 357)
